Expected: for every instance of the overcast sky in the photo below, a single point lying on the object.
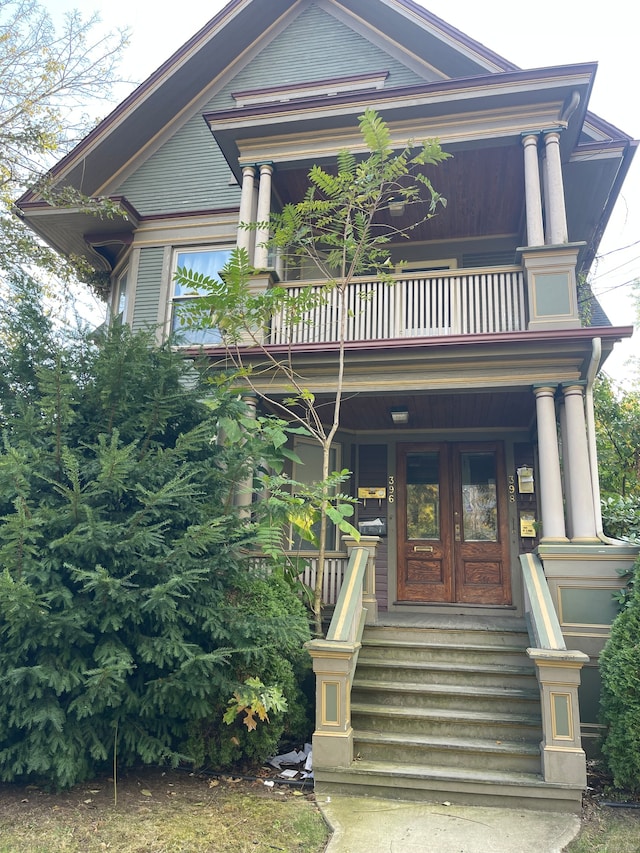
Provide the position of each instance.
(537, 34)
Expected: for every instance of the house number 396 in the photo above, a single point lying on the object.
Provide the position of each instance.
(392, 489)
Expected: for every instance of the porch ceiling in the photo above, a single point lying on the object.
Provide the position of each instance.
(468, 182)
(495, 410)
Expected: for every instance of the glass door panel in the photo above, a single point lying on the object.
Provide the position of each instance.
(479, 497)
(423, 496)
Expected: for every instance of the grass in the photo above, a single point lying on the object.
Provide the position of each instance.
(609, 831)
(160, 813)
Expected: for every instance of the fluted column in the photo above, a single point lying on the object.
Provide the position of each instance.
(261, 257)
(555, 186)
(246, 238)
(552, 509)
(576, 452)
(533, 195)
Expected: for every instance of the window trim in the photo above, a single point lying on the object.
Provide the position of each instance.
(174, 300)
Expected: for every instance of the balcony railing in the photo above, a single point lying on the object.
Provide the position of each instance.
(452, 302)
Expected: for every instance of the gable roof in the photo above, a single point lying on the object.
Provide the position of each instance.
(453, 66)
(169, 91)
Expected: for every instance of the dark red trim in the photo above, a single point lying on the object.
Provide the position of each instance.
(612, 333)
(189, 214)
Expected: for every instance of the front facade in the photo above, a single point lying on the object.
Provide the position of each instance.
(467, 420)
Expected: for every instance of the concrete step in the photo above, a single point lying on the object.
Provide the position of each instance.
(456, 632)
(417, 782)
(431, 651)
(478, 674)
(434, 751)
(452, 696)
(446, 722)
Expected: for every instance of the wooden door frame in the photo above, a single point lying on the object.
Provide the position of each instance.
(454, 555)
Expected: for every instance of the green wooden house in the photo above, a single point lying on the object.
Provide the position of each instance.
(483, 578)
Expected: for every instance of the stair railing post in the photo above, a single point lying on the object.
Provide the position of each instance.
(369, 600)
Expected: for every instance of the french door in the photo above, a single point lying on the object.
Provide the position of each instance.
(452, 524)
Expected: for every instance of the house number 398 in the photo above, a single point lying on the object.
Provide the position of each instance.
(512, 489)
(392, 490)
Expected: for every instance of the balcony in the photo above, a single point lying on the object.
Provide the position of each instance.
(449, 302)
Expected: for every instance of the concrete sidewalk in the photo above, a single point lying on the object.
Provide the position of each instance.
(368, 825)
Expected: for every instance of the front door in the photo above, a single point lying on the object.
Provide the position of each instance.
(452, 524)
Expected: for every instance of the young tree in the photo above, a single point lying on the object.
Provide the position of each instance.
(47, 78)
(337, 227)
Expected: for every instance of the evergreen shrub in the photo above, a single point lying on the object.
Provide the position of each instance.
(620, 703)
(129, 612)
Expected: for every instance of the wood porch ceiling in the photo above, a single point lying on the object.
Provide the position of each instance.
(483, 188)
(497, 410)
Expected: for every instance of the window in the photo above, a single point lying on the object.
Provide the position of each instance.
(311, 472)
(119, 304)
(209, 262)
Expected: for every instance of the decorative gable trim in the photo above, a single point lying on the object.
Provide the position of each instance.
(316, 88)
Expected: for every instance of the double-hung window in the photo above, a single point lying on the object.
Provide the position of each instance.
(206, 260)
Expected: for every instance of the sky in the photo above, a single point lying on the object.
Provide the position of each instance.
(533, 35)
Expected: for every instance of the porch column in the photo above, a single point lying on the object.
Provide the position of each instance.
(261, 257)
(246, 238)
(244, 489)
(551, 506)
(565, 468)
(555, 202)
(533, 195)
(576, 451)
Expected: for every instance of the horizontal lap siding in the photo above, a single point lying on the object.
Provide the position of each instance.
(147, 295)
(315, 46)
(188, 173)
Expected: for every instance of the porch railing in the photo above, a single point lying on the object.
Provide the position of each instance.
(450, 302)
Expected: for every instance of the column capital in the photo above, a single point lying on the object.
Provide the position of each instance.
(553, 131)
(578, 383)
(530, 136)
(266, 166)
(545, 389)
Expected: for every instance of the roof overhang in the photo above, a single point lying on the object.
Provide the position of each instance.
(487, 109)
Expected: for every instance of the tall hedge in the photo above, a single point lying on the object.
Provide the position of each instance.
(620, 705)
(128, 611)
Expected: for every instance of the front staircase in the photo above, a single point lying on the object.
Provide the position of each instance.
(447, 709)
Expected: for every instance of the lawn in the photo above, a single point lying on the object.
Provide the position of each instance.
(161, 812)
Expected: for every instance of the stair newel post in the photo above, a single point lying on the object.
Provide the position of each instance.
(563, 759)
(369, 600)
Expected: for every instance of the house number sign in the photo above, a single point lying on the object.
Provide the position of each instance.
(512, 489)
(392, 490)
